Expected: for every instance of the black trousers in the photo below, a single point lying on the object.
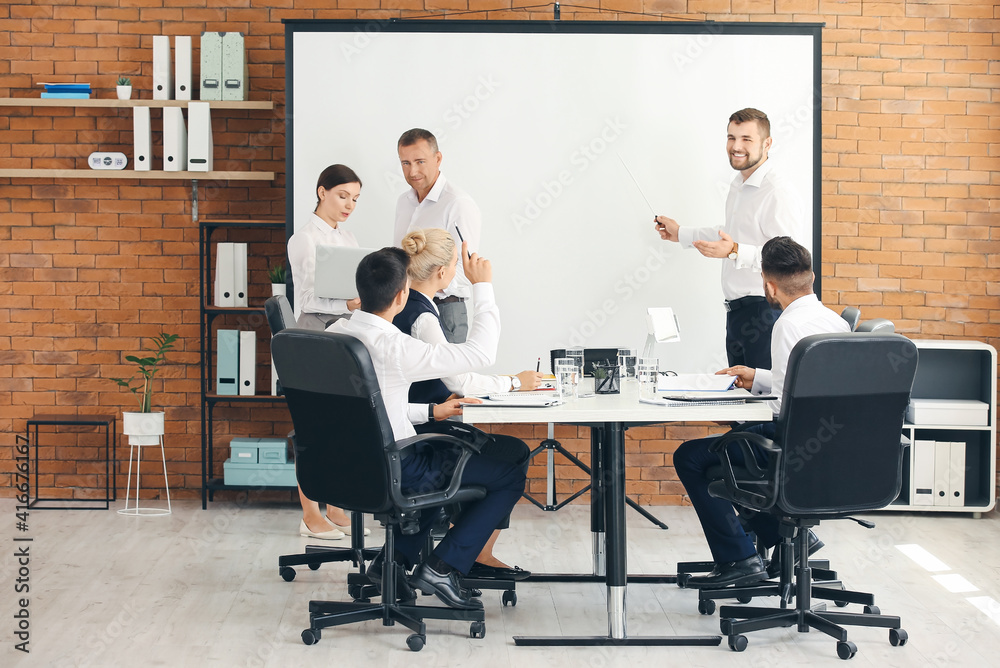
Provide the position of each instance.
(748, 334)
(504, 483)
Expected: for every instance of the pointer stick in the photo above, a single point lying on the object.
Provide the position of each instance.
(637, 186)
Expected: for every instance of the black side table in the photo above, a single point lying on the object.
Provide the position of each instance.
(109, 425)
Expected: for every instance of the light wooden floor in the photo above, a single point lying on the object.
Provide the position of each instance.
(202, 588)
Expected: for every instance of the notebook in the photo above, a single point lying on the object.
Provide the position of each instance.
(695, 382)
(521, 400)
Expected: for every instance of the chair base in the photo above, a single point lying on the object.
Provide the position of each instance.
(317, 555)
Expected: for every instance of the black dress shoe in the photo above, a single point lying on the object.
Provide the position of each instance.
(445, 587)
(471, 592)
(485, 572)
(774, 563)
(404, 592)
(733, 573)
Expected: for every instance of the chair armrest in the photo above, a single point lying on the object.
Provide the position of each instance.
(395, 453)
(744, 497)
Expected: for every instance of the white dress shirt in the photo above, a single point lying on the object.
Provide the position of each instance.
(401, 359)
(428, 328)
(803, 317)
(758, 209)
(448, 208)
(302, 258)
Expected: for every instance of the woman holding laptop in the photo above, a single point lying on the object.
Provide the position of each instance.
(337, 192)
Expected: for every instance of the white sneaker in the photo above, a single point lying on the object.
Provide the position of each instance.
(332, 534)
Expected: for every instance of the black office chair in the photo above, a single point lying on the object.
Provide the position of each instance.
(280, 317)
(877, 326)
(345, 455)
(837, 451)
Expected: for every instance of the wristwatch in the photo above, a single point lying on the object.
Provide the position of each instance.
(430, 412)
(734, 253)
(515, 383)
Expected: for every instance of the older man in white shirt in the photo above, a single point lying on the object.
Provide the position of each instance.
(760, 206)
(787, 279)
(399, 360)
(434, 201)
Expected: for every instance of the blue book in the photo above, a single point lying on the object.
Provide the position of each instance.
(65, 96)
(67, 87)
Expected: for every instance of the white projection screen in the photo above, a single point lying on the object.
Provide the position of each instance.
(535, 121)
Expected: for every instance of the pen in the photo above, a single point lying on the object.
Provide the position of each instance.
(461, 239)
(538, 367)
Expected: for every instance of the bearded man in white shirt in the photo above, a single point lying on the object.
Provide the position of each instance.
(434, 201)
(787, 277)
(760, 206)
(399, 360)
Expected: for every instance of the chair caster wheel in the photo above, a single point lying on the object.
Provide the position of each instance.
(872, 610)
(898, 637)
(509, 598)
(706, 607)
(311, 636)
(416, 642)
(287, 573)
(355, 592)
(744, 599)
(477, 630)
(682, 579)
(846, 649)
(738, 643)
(840, 604)
(314, 567)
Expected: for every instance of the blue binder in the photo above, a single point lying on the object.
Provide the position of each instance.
(227, 362)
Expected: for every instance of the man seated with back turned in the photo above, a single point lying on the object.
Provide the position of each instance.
(399, 360)
(787, 271)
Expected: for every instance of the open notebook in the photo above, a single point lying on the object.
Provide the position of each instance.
(521, 399)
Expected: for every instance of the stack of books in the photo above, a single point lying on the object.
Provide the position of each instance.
(66, 91)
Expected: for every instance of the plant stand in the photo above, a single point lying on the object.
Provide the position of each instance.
(143, 430)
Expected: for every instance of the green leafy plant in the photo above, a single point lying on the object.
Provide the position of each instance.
(148, 366)
(124, 81)
(277, 273)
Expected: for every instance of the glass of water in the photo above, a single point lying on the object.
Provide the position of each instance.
(626, 361)
(647, 373)
(567, 378)
(576, 354)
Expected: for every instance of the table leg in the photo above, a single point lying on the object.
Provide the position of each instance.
(597, 495)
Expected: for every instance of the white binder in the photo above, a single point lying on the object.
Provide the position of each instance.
(182, 67)
(224, 285)
(211, 66)
(240, 274)
(174, 140)
(234, 66)
(163, 73)
(922, 482)
(942, 472)
(956, 474)
(142, 137)
(200, 137)
(248, 363)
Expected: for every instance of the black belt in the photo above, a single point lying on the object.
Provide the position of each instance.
(453, 299)
(737, 304)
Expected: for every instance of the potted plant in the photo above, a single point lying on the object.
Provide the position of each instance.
(277, 274)
(124, 88)
(145, 427)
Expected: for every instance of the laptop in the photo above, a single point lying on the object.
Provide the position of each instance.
(335, 270)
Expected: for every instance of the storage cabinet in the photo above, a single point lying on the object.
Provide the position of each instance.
(211, 467)
(964, 370)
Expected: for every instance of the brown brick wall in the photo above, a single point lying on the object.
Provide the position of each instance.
(910, 160)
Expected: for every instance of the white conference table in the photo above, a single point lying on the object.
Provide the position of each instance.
(608, 416)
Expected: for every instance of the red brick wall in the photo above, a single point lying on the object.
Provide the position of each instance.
(89, 268)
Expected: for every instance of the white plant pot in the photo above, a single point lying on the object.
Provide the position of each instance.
(143, 428)
(278, 289)
(124, 92)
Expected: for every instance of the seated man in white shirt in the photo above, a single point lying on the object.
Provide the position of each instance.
(787, 271)
(399, 360)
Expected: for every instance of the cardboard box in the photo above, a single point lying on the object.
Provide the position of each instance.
(259, 475)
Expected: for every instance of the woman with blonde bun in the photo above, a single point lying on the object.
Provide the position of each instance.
(433, 262)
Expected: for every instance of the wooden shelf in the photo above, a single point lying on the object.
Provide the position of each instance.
(95, 102)
(133, 174)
